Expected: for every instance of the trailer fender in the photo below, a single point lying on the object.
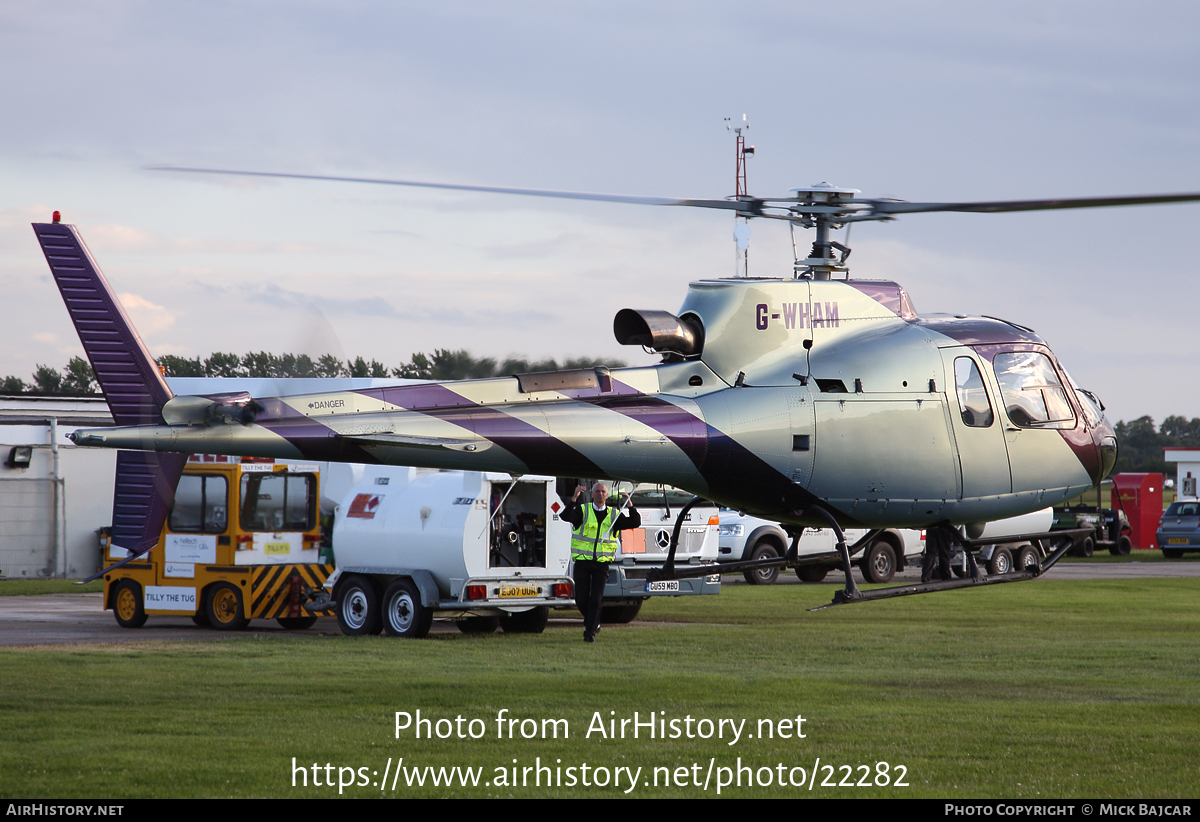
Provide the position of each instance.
(427, 586)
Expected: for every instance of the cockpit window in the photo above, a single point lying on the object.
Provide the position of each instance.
(1033, 395)
(972, 396)
(1093, 411)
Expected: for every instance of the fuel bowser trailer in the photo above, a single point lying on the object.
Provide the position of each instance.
(241, 542)
(487, 550)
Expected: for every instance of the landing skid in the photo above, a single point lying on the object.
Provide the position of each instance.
(1062, 542)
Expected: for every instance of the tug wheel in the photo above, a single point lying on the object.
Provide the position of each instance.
(224, 607)
(127, 604)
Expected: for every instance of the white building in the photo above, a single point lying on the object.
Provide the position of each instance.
(54, 497)
(1187, 471)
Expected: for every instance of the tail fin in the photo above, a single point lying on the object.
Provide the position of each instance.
(131, 382)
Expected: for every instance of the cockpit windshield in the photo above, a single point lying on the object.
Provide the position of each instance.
(1033, 395)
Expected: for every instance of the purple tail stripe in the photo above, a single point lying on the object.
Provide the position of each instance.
(131, 382)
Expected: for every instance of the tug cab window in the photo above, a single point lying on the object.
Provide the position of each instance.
(972, 396)
(278, 502)
(200, 504)
(1033, 395)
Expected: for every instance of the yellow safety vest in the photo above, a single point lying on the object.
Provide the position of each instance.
(588, 542)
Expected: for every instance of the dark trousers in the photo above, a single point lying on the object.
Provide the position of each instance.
(938, 542)
(590, 577)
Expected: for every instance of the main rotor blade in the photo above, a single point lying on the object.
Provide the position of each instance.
(893, 207)
(747, 206)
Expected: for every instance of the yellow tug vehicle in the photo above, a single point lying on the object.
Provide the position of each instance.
(242, 541)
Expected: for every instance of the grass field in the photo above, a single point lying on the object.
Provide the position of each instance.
(1049, 689)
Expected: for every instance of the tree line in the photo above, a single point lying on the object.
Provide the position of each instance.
(78, 379)
(1140, 445)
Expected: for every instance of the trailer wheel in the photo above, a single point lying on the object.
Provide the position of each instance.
(1027, 557)
(358, 607)
(621, 614)
(223, 607)
(128, 607)
(879, 563)
(296, 623)
(1085, 548)
(479, 624)
(403, 613)
(1000, 563)
(812, 573)
(532, 621)
(762, 576)
(1122, 548)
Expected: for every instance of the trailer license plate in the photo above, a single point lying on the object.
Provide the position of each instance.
(1177, 541)
(668, 586)
(507, 591)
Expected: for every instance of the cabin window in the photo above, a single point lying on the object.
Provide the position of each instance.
(200, 504)
(1033, 395)
(278, 502)
(973, 401)
(1093, 411)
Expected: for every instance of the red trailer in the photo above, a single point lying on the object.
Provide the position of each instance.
(1140, 496)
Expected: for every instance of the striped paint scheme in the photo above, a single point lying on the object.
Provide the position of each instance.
(271, 588)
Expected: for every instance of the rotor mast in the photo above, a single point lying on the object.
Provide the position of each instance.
(819, 207)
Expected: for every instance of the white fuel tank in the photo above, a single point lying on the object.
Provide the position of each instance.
(457, 525)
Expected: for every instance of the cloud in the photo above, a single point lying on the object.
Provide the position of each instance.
(146, 316)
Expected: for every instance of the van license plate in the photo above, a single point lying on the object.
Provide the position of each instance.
(1177, 541)
(668, 586)
(507, 591)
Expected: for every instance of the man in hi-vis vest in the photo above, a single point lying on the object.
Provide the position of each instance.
(593, 548)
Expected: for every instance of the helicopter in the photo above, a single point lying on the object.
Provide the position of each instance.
(812, 399)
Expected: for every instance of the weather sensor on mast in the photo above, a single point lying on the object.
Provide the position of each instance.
(741, 226)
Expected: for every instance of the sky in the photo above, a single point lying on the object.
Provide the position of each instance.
(922, 101)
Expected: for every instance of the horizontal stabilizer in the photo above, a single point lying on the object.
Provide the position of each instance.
(384, 438)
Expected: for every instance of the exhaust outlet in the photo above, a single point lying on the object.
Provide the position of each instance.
(660, 331)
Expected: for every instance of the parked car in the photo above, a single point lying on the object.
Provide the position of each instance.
(1179, 528)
